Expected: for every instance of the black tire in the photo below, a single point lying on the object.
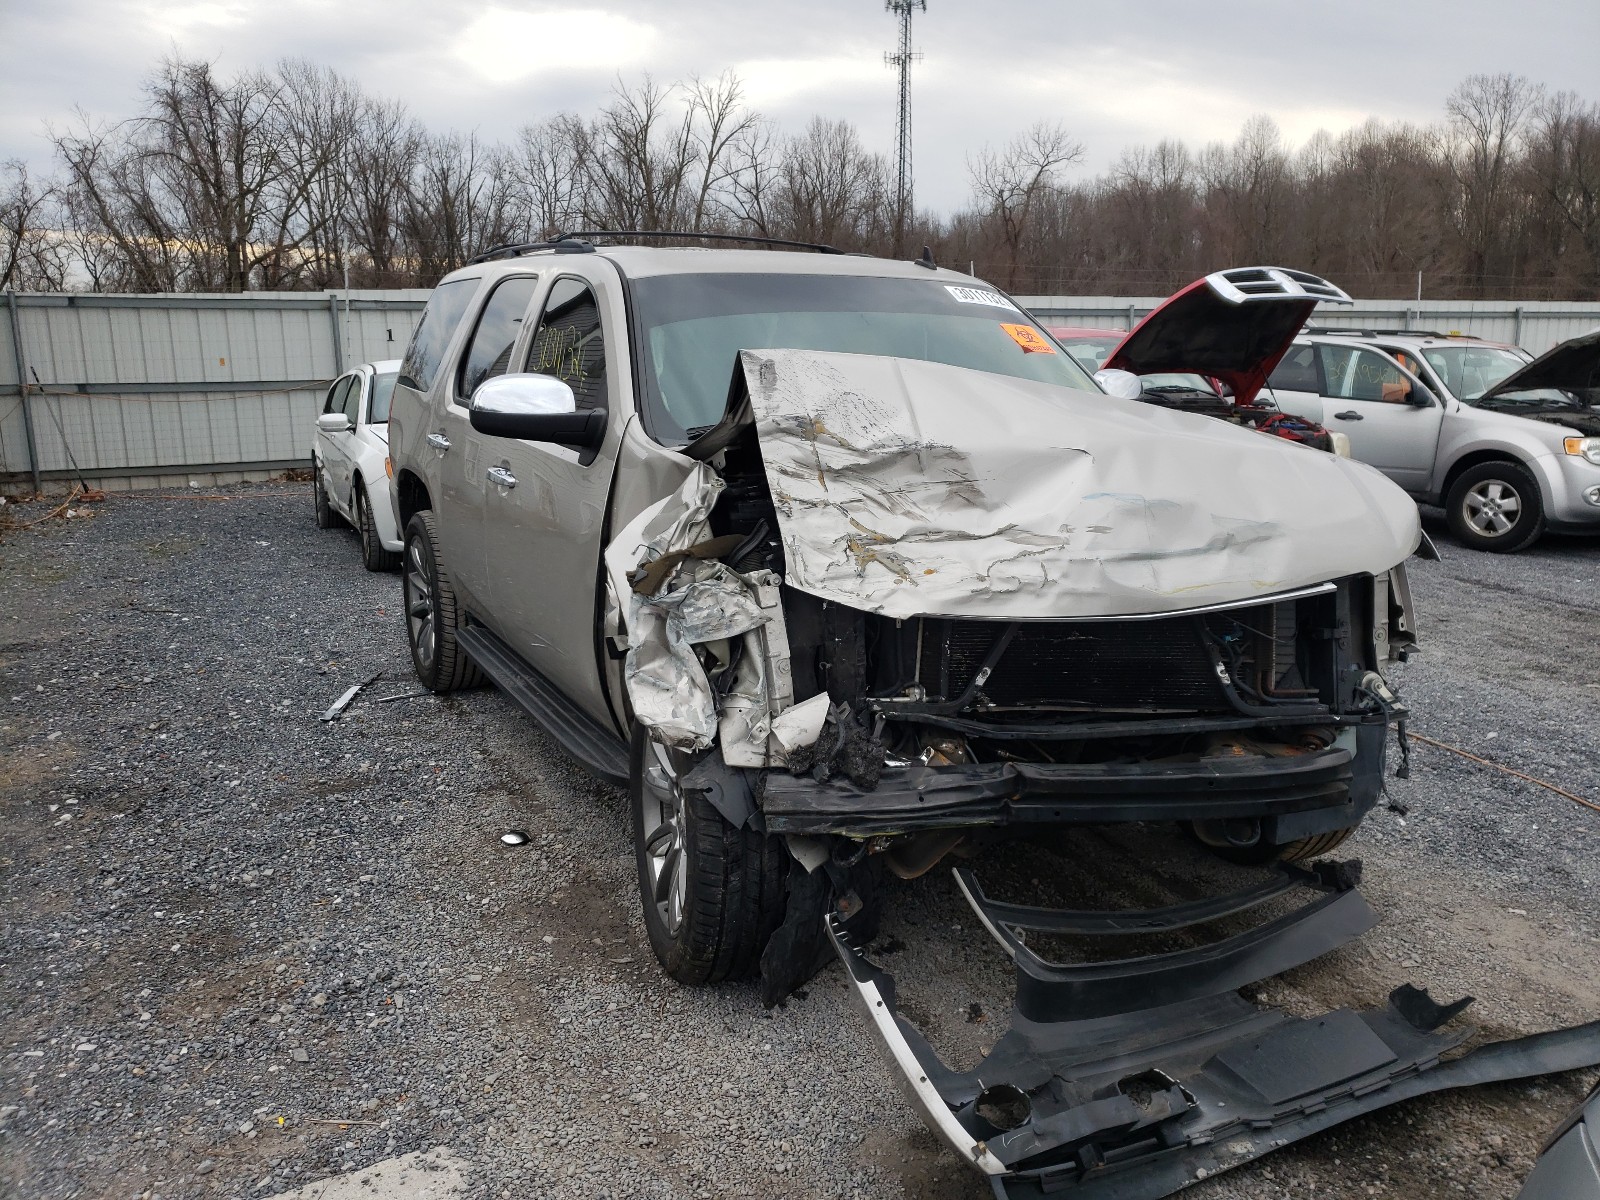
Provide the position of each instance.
(430, 606)
(1486, 497)
(1318, 845)
(373, 556)
(733, 880)
(326, 517)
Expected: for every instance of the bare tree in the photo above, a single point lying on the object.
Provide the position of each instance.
(1487, 119)
(32, 251)
(383, 160)
(822, 186)
(1008, 183)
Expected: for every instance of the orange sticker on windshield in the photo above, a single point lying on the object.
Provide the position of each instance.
(1029, 338)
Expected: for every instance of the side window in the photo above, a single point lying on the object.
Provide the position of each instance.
(1355, 373)
(570, 343)
(352, 400)
(1297, 371)
(444, 311)
(337, 394)
(489, 352)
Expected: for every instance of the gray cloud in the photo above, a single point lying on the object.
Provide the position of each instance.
(1116, 75)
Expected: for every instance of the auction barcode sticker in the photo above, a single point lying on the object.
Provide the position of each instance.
(972, 295)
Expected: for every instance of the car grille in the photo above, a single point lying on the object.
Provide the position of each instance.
(1155, 664)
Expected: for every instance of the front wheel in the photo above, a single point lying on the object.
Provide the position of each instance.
(1495, 506)
(432, 614)
(712, 894)
(373, 556)
(326, 517)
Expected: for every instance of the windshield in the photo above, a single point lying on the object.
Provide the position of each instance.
(382, 389)
(1470, 371)
(1176, 381)
(1087, 351)
(693, 327)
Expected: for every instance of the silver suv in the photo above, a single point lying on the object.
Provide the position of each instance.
(837, 562)
(1509, 447)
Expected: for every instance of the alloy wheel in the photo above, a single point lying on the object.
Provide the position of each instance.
(420, 616)
(661, 802)
(1492, 507)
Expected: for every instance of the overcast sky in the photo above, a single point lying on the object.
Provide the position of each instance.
(1115, 74)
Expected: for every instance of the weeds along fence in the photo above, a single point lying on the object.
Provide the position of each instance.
(145, 391)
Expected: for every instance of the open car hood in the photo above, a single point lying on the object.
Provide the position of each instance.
(909, 488)
(1232, 325)
(1573, 366)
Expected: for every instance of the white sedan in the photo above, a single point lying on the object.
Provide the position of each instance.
(350, 459)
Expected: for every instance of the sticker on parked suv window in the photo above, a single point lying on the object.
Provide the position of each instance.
(1029, 339)
(972, 295)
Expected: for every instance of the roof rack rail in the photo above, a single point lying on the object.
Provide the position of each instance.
(1433, 333)
(818, 247)
(562, 244)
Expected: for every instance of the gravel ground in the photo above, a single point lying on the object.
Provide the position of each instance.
(241, 949)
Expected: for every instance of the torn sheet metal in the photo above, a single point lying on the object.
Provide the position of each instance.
(698, 601)
(912, 488)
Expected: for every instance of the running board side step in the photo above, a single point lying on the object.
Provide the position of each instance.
(1132, 1079)
(596, 749)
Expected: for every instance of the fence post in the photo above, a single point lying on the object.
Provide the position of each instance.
(338, 345)
(21, 361)
(1516, 328)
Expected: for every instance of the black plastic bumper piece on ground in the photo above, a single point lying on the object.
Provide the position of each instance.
(1134, 1079)
(596, 748)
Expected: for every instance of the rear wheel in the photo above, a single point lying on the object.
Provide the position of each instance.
(432, 614)
(373, 556)
(712, 894)
(1495, 506)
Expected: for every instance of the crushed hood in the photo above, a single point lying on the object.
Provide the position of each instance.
(912, 488)
(1232, 325)
(1573, 366)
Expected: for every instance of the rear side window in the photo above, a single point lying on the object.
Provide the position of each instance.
(1297, 372)
(1354, 373)
(445, 309)
(489, 353)
(570, 343)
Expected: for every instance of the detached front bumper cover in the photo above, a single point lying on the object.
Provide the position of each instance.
(1130, 1080)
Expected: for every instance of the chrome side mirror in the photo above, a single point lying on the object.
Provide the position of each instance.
(524, 395)
(333, 422)
(1125, 385)
(535, 408)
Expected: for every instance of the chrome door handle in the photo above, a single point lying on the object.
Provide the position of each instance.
(1352, 415)
(502, 477)
(438, 441)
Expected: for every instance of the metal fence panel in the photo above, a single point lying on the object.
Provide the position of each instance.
(156, 387)
(1534, 325)
(130, 386)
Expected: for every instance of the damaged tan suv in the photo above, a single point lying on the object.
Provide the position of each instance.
(835, 562)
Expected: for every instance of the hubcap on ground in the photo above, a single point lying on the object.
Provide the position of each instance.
(1493, 507)
(662, 818)
(419, 603)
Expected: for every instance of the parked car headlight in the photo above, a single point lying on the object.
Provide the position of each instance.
(1587, 448)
